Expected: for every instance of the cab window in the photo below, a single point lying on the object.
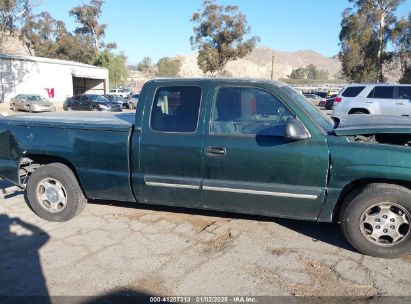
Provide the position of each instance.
(249, 111)
(176, 109)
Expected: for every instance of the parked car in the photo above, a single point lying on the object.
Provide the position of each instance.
(376, 98)
(118, 99)
(31, 103)
(119, 92)
(322, 94)
(245, 146)
(91, 102)
(314, 98)
(329, 102)
(133, 101)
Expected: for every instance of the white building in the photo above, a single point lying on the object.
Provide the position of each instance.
(52, 78)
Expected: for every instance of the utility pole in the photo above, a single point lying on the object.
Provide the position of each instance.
(272, 65)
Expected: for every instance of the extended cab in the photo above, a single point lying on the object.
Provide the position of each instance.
(255, 147)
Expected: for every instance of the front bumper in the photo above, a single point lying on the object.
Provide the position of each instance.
(43, 109)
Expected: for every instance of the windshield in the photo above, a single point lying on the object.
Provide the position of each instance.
(98, 98)
(35, 98)
(320, 118)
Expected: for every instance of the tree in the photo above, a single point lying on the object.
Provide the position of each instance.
(168, 67)
(41, 32)
(219, 36)
(116, 65)
(299, 73)
(310, 72)
(14, 12)
(47, 37)
(88, 15)
(365, 33)
(146, 67)
(76, 48)
(401, 39)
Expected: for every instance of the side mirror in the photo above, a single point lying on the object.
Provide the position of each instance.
(295, 130)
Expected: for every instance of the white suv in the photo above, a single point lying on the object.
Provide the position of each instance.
(376, 98)
(119, 92)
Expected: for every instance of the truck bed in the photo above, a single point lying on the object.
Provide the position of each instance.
(75, 120)
(94, 144)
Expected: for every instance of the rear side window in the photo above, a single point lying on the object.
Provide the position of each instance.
(382, 92)
(404, 92)
(352, 91)
(176, 109)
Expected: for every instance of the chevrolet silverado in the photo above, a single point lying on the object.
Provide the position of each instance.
(245, 146)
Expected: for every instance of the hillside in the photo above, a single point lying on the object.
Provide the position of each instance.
(258, 64)
(13, 45)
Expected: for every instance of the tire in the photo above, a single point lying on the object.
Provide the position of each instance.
(382, 206)
(75, 201)
(95, 109)
(14, 108)
(131, 106)
(28, 109)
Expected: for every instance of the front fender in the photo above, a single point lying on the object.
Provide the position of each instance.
(357, 175)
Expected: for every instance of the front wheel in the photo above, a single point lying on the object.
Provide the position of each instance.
(54, 194)
(131, 106)
(377, 221)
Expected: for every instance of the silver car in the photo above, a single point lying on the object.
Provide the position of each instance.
(31, 103)
(133, 101)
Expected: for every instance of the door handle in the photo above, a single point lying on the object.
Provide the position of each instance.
(215, 151)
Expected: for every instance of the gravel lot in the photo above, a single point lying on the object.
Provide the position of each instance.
(166, 251)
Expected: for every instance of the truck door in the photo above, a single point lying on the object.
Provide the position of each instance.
(170, 147)
(249, 165)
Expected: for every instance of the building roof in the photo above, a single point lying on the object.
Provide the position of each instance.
(47, 60)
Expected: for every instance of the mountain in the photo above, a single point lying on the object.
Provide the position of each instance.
(259, 63)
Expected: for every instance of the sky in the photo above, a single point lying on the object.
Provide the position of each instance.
(162, 28)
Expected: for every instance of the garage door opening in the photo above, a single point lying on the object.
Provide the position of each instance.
(88, 86)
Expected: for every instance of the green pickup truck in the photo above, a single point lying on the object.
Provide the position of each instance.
(245, 146)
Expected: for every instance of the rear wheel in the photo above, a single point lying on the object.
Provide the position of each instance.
(14, 108)
(377, 221)
(130, 105)
(54, 194)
